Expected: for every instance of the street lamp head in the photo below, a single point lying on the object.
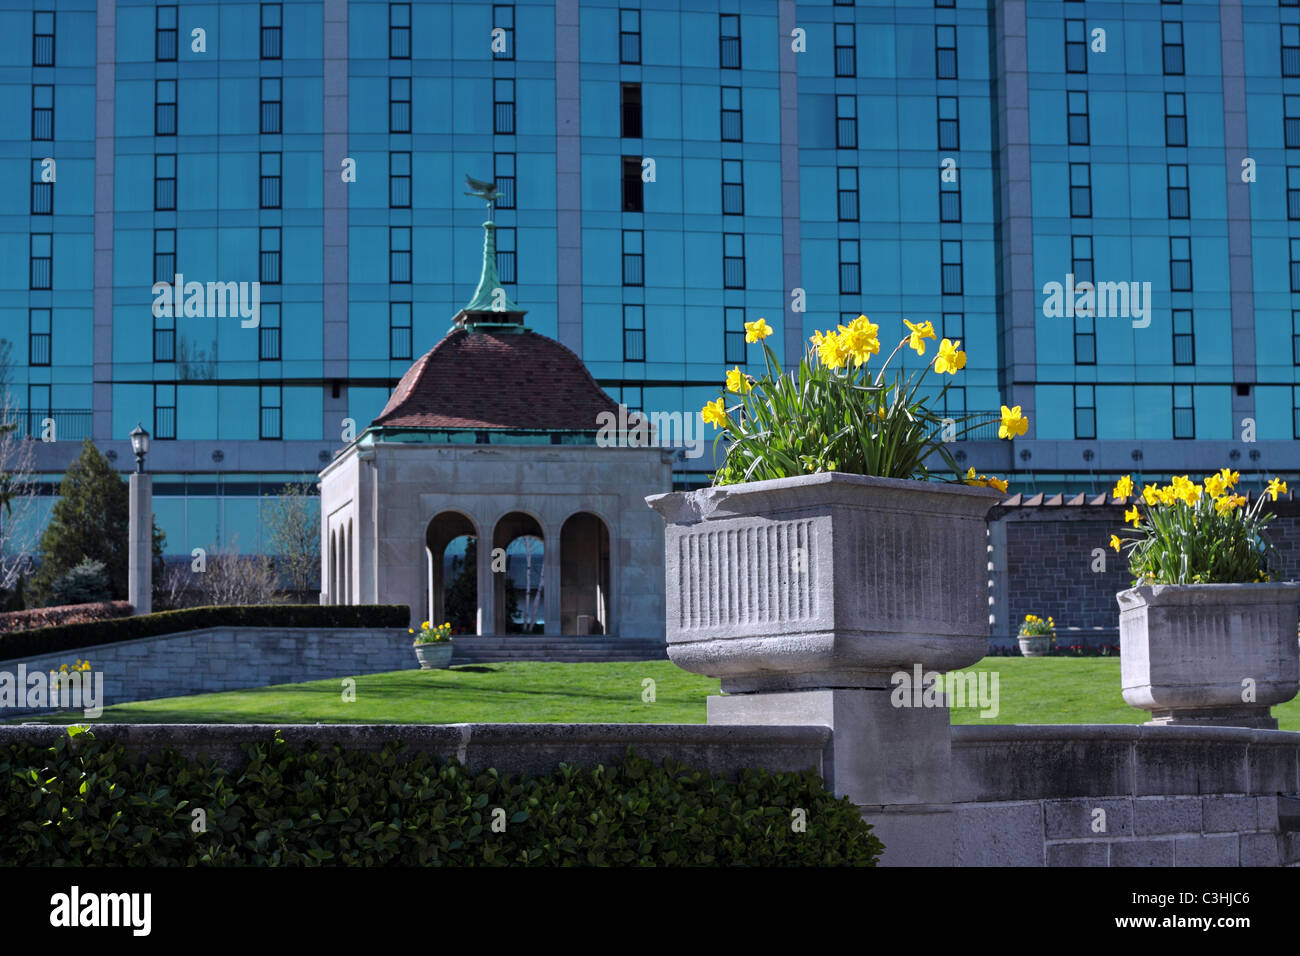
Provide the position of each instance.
(139, 445)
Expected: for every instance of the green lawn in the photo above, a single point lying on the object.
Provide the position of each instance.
(1054, 690)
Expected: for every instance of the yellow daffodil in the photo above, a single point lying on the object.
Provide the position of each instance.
(738, 381)
(1114, 541)
(918, 335)
(1013, 422)
(1167, 495)
(1226, 503)
(999, 483)
(1133, 516)
(1230, 478)
(972, 480)
(950, 359)
(714, 413)
(830, 349)
(1276, 487)
(757, 331)
(860, 340)
(1215, 485)
(1123, 487)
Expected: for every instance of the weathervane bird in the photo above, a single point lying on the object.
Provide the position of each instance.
(488, 192)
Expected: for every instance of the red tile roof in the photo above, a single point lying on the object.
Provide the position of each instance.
(485, 379)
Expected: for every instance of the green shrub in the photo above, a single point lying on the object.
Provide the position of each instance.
(70, 614)
(85, 583)
(85, 802)
(65, 637)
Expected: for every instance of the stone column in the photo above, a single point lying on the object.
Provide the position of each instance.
(140, 546)
(551, 568)
(486, 587)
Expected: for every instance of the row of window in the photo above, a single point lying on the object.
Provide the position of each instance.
(846, 122)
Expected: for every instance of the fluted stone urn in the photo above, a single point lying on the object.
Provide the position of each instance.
(1209, 654)
(825, 581)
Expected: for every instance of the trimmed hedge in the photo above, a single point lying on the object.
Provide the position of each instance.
(65, 637)
(87, 802)
(13, 621)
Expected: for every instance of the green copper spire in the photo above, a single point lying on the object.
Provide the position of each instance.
(490, 296)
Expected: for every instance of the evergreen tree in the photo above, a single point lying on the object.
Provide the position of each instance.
(91, 519)
(461, 597)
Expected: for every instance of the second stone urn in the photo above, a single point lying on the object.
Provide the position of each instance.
(825, 580)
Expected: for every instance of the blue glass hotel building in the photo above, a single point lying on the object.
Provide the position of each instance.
(670, 170)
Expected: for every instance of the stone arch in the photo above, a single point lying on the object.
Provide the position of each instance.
(348, 586)
(584, 575)
(442, 530)
(510, 528)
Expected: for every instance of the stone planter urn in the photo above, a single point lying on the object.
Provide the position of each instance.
(825, 581)
(434, 656)
(1035, 645)
(1209, 654)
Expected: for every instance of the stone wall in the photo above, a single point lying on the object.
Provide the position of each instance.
(1125, 796)
(1044, 566)
(229, 658)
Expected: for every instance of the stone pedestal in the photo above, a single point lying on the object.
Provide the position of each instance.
(140, 546)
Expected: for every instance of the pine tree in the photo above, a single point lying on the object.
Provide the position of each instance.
(92, 520)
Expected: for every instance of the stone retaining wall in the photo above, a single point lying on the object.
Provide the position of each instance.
(229, 658)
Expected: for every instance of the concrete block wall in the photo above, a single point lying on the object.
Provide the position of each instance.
(229, 658)
(1125, 796)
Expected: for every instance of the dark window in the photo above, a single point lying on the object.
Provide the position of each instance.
(1081, 259)
(952, 325)
(949, 136)
(399, 331)
(1085, 412)
(269, 255)
(733, 335)
(164, 33)
(850, 267)
(846, 56)
(950, 253)
(164, 256)
(1175, 119)
(733, 188)
(1180, 264)
(503, 18)
(1080, 190)
(629, 36)
(633, 333)
(1295, 410)
(846, 122)
(729, 41)
(270, 412)
(1291, 119)
(633, 187)
(732, 128)
(1179, 202)
(630, 111)
(42, 111)
(949, 202)
(1184, 338)
(38, 407)
(270, 105)
(1295, 336)
(633, 257)
(1085, 340)
(945, 52)
(1077, 117)
(1295, 265)
(1293, 192)
(164, 335)
(847, 193)
(507, 268)
(399, 104)
(733, 260)
(43, 38)
(269, 180)
(503, 169)
(399, 180)
(164, 412)
(42, 261)
(1172, 47)
(268, 342)
(399, 31)
(945, 3)
(1290, 49)
(164, 181)
(164, 109)
(1076, 47)
(271, 13)
(42, 192)
(1184, 413)
(399, 253)
(503, 104)
(38, 337)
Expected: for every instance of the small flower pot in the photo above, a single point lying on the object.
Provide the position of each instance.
(1209, 654)
(1035, 645)
(434, 656)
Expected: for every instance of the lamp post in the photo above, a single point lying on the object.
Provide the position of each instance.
(140, 555)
